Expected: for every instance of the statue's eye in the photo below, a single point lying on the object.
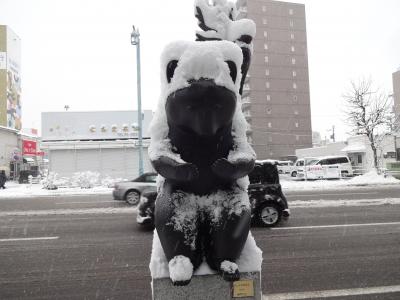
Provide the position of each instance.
(171, 69)
(232, 69)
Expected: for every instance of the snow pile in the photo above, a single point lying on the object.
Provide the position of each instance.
(110, 182)
(86, 180)
(181, 268)
(249, 261)
(370, 178)
(49, 182)
(14, 190)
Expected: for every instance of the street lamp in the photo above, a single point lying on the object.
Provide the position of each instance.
(135, 41)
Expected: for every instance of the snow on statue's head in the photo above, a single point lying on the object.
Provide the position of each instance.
(200, 84)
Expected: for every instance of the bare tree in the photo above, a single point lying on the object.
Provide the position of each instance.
(368, 112)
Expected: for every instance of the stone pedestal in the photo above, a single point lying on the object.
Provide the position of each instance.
(205, 284)
(210, 287)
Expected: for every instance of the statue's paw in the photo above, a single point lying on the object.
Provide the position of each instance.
(180, 270)
(229, 271)
(188, 171)
(222, 167)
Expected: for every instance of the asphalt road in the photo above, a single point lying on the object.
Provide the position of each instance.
(106, 255)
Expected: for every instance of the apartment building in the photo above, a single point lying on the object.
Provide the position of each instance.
(276, 96)
(396, 93)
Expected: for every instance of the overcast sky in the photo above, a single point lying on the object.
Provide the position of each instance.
(79, 53)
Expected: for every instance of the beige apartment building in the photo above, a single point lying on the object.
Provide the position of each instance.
(396, 93)
(276, 96)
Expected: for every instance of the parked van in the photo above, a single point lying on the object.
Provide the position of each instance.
(302, 165)
(342, 162)
(323, 167)
(285, 166)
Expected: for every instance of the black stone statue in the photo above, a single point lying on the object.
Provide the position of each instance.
(199, 147)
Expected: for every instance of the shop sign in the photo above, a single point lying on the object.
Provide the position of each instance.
(28, 147)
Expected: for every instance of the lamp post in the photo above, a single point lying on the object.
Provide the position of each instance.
(135, 41)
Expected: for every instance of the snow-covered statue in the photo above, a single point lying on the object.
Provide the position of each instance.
(199, 147)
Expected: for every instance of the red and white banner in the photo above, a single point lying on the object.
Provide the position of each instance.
(28, 147)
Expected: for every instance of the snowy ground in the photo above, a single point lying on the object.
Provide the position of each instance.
(15, 190)
(288, 184)
(369, 179)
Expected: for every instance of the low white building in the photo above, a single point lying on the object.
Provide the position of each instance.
(100, 141)
(359, 151)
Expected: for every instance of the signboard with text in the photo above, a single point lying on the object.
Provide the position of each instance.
(28, 147)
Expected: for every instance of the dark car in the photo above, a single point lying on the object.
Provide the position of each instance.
(130, 191)
(268, 203)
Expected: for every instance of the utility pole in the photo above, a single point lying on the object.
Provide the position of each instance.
(333, 133)
(135, 41)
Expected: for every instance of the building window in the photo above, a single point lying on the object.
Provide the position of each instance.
(271, 153)
(268, 97)
(359, 158)
(295, 98)
(267, 72)
(296, 124)
(292, 48)
(297, 138)
(294, 85)
(294, 73)
(267, 84)
(291, 11)
(264, 8)
(264, 21)
(291, 23)
(266, 59)
(265, 46)
(269, 124)
(293, 61)
(246, 87)
(292, 36)
(265, 34)
(269, 111)
(296, 112)
(270, 138)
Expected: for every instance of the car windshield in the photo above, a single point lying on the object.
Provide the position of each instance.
(312, 162)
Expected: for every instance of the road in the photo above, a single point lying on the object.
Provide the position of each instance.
(105, 255)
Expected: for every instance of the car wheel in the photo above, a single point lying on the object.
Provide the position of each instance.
(345, 173)
(269, 215)
(132, 197)
(294, 174)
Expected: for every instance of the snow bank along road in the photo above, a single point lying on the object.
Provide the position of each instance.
(321, 253)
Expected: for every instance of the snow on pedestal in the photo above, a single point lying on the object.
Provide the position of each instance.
(206, 283)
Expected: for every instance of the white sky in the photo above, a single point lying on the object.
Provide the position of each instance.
(79, 53)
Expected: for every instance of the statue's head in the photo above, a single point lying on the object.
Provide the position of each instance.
(201, 83)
